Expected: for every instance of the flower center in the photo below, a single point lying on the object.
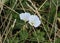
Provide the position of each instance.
(25, 19)
(32, 23)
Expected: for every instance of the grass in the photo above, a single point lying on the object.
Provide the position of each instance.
(14, 30)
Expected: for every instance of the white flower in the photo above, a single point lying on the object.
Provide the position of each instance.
(24, 16)
(34, 21)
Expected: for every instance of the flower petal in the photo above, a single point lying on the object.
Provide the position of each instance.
(25, 16)
(34, 21)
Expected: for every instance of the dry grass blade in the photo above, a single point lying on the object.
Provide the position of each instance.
(58, 19)
(42, 4)
(1, 6)
(0, 39)
(6, 29)
(12, 26)
(55, 21)
(4, 21)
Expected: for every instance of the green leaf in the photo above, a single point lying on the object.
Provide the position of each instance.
(39, 35)
(57, 40)
(23, 34)
(16, 40)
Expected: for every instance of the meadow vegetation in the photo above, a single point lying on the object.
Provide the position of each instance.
(15, 30)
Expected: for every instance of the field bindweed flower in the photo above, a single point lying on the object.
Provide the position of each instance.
(34, 21)
(24, 16)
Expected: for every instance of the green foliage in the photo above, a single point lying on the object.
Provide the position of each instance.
(23, 34)
(40, 35)
(57, 40)
(16, 40)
